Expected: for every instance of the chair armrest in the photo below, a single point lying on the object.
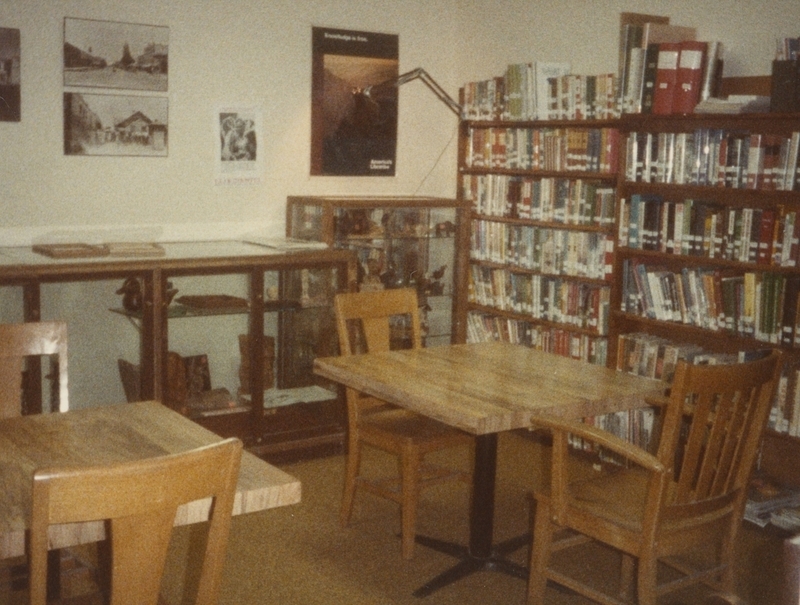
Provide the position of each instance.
(607, 440)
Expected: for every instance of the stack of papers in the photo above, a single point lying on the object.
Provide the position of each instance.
(734, 104)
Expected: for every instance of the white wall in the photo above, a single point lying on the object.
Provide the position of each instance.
(257, 53)
(493, 33)
(222, 52)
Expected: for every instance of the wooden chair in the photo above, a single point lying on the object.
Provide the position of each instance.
(363, 324)
(138, 500)
(18, 341)
(688, 496)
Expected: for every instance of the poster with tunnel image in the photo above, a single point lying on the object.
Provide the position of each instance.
(354, 103)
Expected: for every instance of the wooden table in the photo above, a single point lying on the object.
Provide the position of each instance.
(485, 389)
(107, 434)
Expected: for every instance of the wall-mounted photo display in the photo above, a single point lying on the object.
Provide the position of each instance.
(238, 161)
(108, 54)
(115, 125)
(354, 103)
(10, 100)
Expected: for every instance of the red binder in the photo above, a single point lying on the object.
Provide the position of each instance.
(691, 62)
(666, 77)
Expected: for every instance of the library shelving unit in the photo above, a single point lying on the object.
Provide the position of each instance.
(417, 242)
(706, 253)
(542, 196)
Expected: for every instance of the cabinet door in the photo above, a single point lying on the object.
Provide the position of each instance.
(307, 328)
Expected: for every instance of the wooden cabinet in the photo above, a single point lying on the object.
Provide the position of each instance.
(418, 242)
(282, 299)
(542, 196)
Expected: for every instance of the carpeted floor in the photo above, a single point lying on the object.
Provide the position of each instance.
(300, 556)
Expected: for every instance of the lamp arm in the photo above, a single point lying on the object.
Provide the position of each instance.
(423, 75)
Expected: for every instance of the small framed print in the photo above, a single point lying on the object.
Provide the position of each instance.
(117, 125)
(10, 101)
(108, 54)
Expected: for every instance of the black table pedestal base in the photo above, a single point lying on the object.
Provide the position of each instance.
(469, 564)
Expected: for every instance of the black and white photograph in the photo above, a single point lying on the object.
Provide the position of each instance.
(354, 103)
(109, 54)
(116, 125)
(10, 99)
(238, 160)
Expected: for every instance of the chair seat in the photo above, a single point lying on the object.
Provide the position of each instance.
(424, 432)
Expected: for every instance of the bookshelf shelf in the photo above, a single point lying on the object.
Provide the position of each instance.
(681, 260)
(545, 224)
(527, 271)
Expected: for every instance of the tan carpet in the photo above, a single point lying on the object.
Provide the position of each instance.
(299, 555)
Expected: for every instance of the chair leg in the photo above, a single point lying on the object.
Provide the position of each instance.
(410, 469)
(646, 585)
(626, 577)
(540, 553)
(350, 479)
(727, 555)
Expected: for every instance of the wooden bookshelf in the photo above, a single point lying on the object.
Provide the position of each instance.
(499, 263)
(542, 195)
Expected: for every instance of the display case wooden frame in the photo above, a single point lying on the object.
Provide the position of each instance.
(269, 432)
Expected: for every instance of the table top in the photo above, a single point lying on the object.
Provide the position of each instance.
(108, 434)
(21, 263)
(489, 387)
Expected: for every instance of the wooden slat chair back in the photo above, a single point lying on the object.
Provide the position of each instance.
(688, 496)
(18, 341)
(364, 325)
(138, 500)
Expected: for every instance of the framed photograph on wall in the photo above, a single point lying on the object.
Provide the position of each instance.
(353, 103)
(238, 158)
(10, 99)
(118, 125)
(107, 54)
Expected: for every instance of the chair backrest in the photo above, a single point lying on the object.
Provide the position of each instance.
(138, 501)
(364, 319)
(18, 341)
(713, 426)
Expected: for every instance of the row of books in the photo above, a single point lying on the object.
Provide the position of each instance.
(656, 357)
(556, 200)
(663, 68)
(635, 426)
(787, 49)
(652, 356)
(762, 306)
(714, 157)
(543, 249)
(541, 90)
(555, 149)
(763, 236)
(485, 327)
(540, 297)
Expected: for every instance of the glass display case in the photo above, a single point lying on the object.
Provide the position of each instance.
(399, 242)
